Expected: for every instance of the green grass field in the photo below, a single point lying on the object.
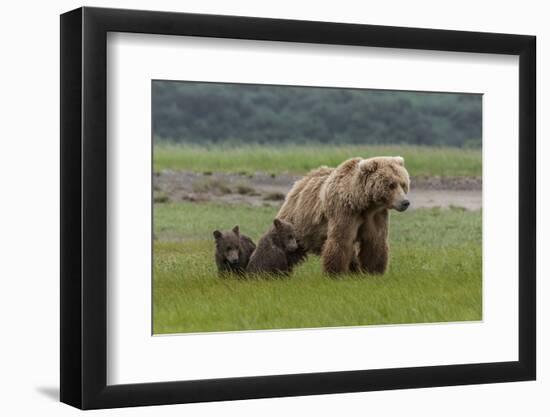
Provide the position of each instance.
(434, 275)
(422, 161)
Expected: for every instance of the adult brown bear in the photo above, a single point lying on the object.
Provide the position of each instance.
(342, 213)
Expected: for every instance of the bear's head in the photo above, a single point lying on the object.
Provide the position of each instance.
(283, 235)
(386, 181)
(228, 245)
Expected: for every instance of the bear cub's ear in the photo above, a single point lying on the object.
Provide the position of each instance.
(399, 160)
(217, 234)
(236, 229)
(277, 223)
(368, 166)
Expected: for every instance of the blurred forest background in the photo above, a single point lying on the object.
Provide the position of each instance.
(215, 113)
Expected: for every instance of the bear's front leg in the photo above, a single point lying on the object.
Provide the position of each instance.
(374, 248)
(338, 250)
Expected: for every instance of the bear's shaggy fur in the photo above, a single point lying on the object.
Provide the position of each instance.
(342, 213)
(278, 250)
(233, 251)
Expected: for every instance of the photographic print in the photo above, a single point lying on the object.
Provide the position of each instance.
(331, 187)
(289, 207)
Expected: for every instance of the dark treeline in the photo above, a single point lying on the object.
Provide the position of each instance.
(192, 112)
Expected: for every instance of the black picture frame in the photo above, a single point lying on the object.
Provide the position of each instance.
(84, 207)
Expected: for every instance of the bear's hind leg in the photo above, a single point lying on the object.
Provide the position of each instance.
(355, 265)
(338, 250)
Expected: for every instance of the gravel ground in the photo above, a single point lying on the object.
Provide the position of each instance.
(265, 189)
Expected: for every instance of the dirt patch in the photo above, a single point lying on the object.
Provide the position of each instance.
(447, 183)
(466, 199)
(261, 189)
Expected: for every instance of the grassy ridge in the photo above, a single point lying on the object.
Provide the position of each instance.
(420, 161)
(434, 276)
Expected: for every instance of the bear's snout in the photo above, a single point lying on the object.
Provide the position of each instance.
(292, 245)
(232, 256)
(403, 205)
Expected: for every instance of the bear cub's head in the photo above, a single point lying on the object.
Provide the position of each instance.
(283, 235)
(386, 181)
(228, 245)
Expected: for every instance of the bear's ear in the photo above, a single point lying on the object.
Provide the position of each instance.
(399, 160)
(368, 166)
(277, 223)
(236, 229)
(217, 234)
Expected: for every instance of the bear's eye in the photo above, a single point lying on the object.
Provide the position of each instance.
(289, 237)
(393, 185)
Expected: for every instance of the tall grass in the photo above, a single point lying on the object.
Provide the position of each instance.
(298, 159)
(434, 275)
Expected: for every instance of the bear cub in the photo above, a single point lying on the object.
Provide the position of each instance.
(233, 251)
(278, 251)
